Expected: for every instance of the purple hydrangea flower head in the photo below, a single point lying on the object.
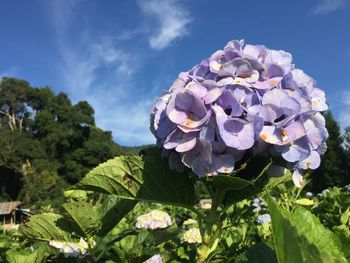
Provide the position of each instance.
(244, 98)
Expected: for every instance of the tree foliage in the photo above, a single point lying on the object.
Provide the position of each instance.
(333, 168)
(47, 140)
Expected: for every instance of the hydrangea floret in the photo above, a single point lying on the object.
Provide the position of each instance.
(263, 219)
(153, 220)
(71, 249)
(192, 236)
(242, 98)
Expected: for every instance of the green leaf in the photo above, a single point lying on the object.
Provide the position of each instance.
(345, 217)
(39, 255)
(47, 226)
(226, 182)
(274, 181)
(147, 178)
(231, 189)
(113, 210)
(85, 216)
(300, 237)
(260, 253)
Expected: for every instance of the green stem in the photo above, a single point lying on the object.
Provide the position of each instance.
(210, 233)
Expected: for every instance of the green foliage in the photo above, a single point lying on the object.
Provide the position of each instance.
(232, 189)
(46, 142)
(146, 178)
(300, 237)
(47, 226)
(86, 217)
(57, 139)
(259, 253)
(27, 255)
(333, 169)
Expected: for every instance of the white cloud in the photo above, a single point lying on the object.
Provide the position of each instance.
(99, 70)
(328, 6)
(344, 114)
(172, 20)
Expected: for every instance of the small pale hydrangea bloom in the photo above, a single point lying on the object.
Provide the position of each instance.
(155, 259)
(262, 219)
(71, 249)
(325, 192)
(309, 194)
(153, 220)
(189, 222)
(192, 236)
(347, 187)
(257, 203)
(205, 203)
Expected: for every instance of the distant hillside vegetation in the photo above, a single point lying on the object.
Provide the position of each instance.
(46, 142)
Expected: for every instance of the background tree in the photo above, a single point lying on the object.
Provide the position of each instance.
(333, 168)
(46, 141)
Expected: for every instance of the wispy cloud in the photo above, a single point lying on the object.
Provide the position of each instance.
(328, 6)
(104, 69)
(172, 21)
(99, 70)
(344, 114)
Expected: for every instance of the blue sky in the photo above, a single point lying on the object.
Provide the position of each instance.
(120, 55)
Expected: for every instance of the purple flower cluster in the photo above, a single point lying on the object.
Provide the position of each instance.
(244, 97)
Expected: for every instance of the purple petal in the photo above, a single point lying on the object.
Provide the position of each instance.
(290, 105)
(236, 133)
(177, 116)
(199, 158)
(212, 95)
(296, 151)
(313, 161)
(267, 84)
(274, 70)
(274, 97)
(294, 131)
(243, 67)
(271, 134)
(208, 132)
(281, 58)
(224, 163)
(184, 101)
(235, 45)
(254, 51)
(197, 89)
(164, 128)
(182, 142)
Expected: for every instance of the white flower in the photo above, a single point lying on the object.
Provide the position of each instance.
(153, 220)
(70, 248)
(298, 179)
(325, 191)
(155, 259)
(309, 194)
(205, 203)
(347, 187)
(192, 236)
